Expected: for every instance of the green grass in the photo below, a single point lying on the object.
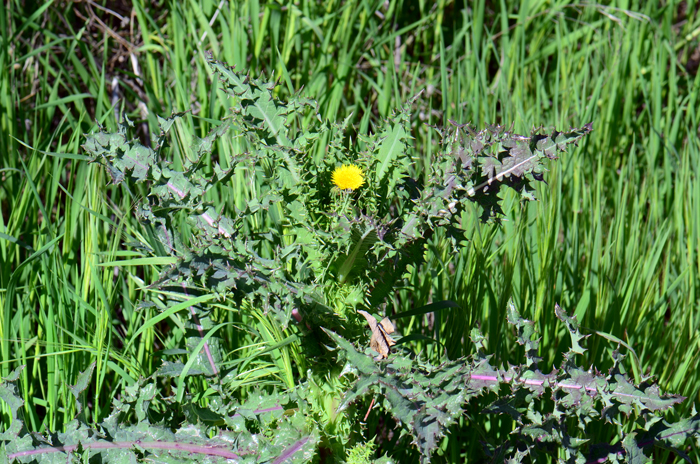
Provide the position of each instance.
(614, 237)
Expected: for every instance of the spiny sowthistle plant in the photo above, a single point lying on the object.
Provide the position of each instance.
(328, 232)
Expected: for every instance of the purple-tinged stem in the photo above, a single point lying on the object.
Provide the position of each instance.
(290, 451)
(164, 445)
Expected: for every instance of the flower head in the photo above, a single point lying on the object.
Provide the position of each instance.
(347, 177)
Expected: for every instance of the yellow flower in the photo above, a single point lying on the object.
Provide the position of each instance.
(347, 177)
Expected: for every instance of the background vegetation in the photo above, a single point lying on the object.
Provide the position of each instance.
(613, 238)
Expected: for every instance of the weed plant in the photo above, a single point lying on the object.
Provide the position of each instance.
(612, 239)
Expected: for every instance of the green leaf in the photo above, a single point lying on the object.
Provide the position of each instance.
(391, 147)
(197, 361)
(81, 385)
(361, 244)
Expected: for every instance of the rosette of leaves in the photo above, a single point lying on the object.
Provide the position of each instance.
(549, 411)
(298, 243)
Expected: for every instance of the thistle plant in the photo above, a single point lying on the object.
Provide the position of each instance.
(309, 260)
